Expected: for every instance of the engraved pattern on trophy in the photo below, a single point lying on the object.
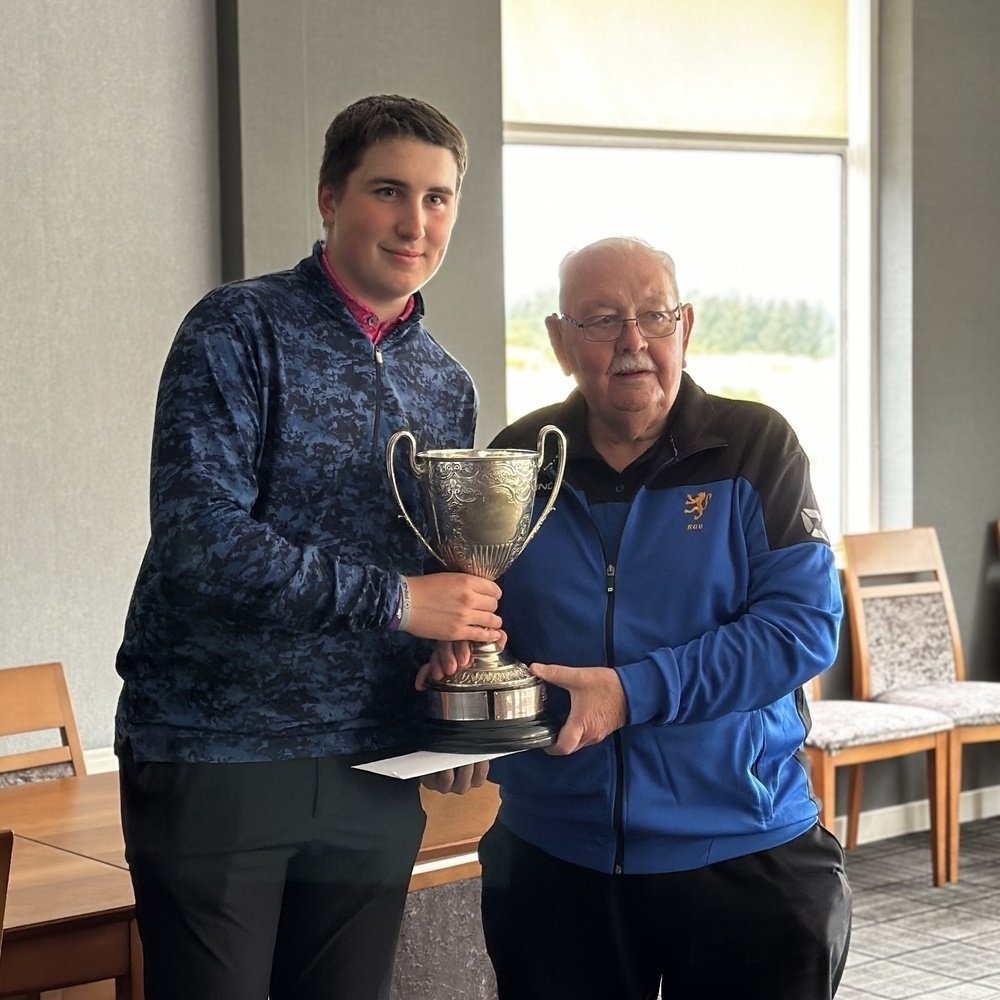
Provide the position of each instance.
(482, 511)
(479, 505)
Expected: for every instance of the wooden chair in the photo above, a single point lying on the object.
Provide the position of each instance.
(35, 699)
(849, 733)
(907, 649)
(6, 849)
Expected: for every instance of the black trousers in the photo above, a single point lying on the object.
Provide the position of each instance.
(284, 879)
(769, 926)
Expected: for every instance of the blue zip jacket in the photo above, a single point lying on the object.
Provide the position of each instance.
(722, 601)
(257, 627)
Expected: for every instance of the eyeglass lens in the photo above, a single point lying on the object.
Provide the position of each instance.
(651, 325)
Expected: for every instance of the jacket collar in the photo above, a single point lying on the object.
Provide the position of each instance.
(690, 426)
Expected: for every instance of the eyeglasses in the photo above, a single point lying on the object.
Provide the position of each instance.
(608, 328)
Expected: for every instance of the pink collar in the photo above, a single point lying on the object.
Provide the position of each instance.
(374, 330)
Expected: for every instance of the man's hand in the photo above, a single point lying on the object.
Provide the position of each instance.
(597, 704)
(447, 660)
(453, 606)
(450, 658)
(458, 780)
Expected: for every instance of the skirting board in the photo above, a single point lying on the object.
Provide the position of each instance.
(876, 824)
(910, 817)
(100, 759)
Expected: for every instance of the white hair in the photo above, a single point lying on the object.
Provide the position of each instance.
(623, 245)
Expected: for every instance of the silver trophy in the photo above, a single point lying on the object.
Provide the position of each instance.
(479, 505)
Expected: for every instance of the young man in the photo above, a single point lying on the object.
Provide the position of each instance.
(669, 834)
(271, 641)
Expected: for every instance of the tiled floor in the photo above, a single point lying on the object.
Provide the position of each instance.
(912, 940)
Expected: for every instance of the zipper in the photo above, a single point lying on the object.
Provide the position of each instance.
(618, 805)
(377, 416)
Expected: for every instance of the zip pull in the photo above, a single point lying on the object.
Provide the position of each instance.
(377, 354)
(610, 575)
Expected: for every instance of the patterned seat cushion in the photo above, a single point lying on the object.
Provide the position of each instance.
(967, 703)
(29, 774)
(840, 724)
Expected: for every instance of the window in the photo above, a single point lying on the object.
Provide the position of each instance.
(752, 181)
(756, 237)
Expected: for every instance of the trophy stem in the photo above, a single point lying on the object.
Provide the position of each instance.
(490, 667)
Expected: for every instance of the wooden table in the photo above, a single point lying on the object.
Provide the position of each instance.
(69, 920)
(80, 815)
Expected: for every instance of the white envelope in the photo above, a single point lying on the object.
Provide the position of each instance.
(413, 765)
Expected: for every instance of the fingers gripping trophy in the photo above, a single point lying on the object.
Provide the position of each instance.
(479, 505)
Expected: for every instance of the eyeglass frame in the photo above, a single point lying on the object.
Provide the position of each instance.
(677, 312)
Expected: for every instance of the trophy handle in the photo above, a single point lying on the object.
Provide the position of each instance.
(417, 471)
(561, 442)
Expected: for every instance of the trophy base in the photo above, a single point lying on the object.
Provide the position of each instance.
(494, 687)
(495, 705)
(487, 735)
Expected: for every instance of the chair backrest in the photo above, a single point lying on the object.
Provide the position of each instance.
(6, 848)
(35, 699)
(904, 630)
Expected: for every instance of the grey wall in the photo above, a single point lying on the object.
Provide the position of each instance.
(110, 231)
(110, 125)
(109, 181)
(956, 305)
(939, 349)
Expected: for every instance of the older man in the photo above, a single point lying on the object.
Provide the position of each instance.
(676, 601)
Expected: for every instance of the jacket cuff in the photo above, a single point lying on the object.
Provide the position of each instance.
(649, 695)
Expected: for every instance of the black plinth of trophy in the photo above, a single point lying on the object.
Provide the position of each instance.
(488, 735)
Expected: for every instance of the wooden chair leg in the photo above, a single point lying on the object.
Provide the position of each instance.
(855, 791)
(954, 801)
(938, 762)
(129, 987)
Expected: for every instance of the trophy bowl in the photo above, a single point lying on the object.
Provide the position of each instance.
(479, 504)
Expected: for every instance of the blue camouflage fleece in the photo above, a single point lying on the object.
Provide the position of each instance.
(257, 627)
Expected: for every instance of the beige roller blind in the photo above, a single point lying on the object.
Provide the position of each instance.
(738, 67)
